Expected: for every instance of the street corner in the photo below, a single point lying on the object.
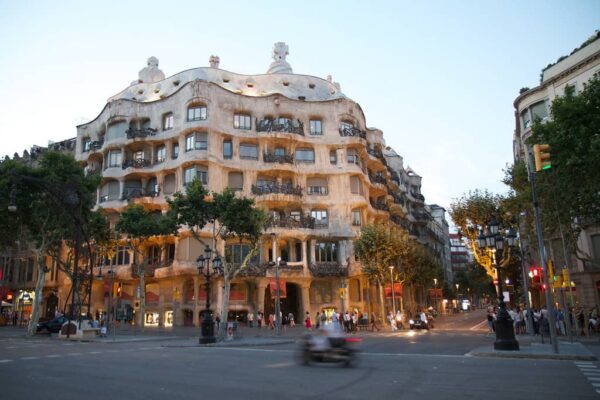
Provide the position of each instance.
(567, 351)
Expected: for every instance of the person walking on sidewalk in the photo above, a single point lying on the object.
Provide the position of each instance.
(250, 320)
(307, 322)
(374, 322)
(318, 320)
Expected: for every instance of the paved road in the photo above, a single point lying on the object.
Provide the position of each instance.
(404, 366)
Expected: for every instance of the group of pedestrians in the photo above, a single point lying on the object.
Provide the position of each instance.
(347, 321)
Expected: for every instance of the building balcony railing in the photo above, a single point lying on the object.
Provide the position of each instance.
(377, 179)
(136, 163)
(276, 188)
(285, 266)
(327, 268)
(418, 196)
(318, 190)
(96, 145)
(254, 269)
(375, 153)
(278, 158)
(295, 222)
(133, 133)
(269, 125)
(378, 205)
(352, 132)
(130, 194)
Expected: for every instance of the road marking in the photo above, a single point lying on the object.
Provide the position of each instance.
(53, 356)
(478, 326)
(73, 354)
(5, 361)
(94, 352)
(30, 358)
(594, 378)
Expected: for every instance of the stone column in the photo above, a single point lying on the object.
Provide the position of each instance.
(305, 262)
(196, 317)
(305, 302)
(312, 254)
(121, 188)
(261, 284)
(274, 249)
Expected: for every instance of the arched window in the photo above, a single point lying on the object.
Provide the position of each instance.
(196, 113)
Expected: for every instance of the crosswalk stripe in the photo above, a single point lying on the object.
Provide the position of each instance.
(5, 361)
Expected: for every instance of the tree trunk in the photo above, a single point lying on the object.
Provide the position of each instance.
(37, 301)
(143, 300)
(382, 302)
(224, 307)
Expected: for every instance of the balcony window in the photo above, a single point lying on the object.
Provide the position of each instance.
(356, 217)
(279, 152)
(353, 157)
(114, 158)
(305, 155)
(355, 185)
(117, 130)
(227, 149)
(196, 113)
(236, 181)
(346, 125)
(168, 121)
(175, 153)
(161, 154)
(326, 252)
(317, 186)
(86, 144)
(169, 184)
(320, 217)
(248, 151)
(539, 111)
(198, 172)
(121, 256)
(333, 157)
(242, 121)
(196, 141)
(316, 127)
(236, 253)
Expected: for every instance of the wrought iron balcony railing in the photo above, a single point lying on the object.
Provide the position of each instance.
(129, 194)
(133, 133)
(136, 163)
(351, 132)
(291, 221)
(377, 179)
(375, 153)
(278, 158)
(269, 125)
(327, 268)
(149, 268)
(276, 188)
(379, 205)
(96, 145)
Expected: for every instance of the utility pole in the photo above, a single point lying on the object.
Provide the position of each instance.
(543, 257)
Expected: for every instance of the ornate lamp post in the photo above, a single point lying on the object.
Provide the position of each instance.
(493, 242)
(204, 269)
(435, 294)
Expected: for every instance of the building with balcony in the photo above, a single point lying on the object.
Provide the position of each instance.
(534, 104)
(295, 143)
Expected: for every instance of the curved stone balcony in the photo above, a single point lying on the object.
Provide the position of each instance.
(276, 188)
(353, 132)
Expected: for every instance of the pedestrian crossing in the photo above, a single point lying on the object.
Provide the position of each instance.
(591, 372)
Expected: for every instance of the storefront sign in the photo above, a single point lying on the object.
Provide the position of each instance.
(397, 290)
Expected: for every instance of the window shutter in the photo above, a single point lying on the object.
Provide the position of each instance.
(236, 180)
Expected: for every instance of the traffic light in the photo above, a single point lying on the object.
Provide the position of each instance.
(566, 279)
(117, 289)
(551, 277)
(541, 155)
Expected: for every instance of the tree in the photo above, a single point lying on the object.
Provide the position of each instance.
(52, 199)
(231, 217)
(139, 225)
(378, 247)
(568, 192)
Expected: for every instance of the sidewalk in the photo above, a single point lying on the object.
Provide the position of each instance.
(567, 351)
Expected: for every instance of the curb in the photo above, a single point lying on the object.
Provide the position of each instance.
(573, 357)
(154, 339)
(233, 344)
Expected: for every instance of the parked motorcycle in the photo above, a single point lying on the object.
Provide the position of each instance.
(320, 348)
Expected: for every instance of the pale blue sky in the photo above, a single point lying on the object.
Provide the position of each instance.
(438, 77)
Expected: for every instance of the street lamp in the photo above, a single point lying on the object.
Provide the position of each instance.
(204, 269)
(278, 297)
(493, 241)
(111, 304)
(392, 286)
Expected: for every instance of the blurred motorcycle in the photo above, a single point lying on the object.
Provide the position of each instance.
(328, 347)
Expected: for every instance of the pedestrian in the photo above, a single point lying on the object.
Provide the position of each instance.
(218, 320)
(307, 322)
(323, 318)
(392, 321)
(353, 322)
(346, 322)
(318, 320)
(284, 322)
(490, 319)
(272, 321)
(250, 319)
(399, 320)
(291, 321)
(374, 322)
(259, 319)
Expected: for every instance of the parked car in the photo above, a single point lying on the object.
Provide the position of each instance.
(52, 325)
